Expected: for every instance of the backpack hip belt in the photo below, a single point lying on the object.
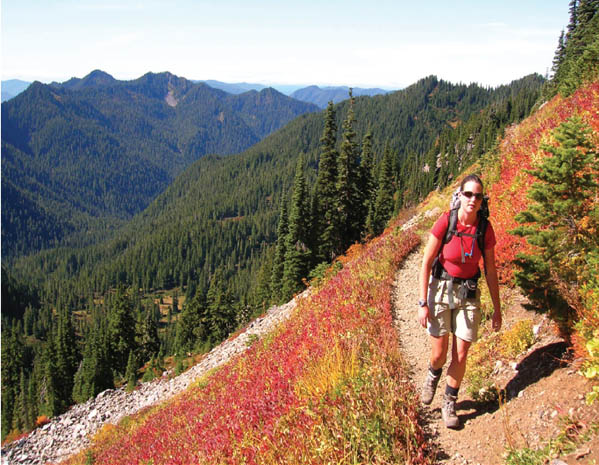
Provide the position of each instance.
(467, 289)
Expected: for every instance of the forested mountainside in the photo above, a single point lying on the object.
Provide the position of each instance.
(321, 96)
(81, 157)
(334, 375)
(223, 211)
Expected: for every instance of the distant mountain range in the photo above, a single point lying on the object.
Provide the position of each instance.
(319, 96)
(235, 88)
(98, 149)
(12, 88)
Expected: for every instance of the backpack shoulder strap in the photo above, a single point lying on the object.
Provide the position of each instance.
(452, 225)
(481, 232)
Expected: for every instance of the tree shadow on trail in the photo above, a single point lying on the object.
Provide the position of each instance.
(534, 367)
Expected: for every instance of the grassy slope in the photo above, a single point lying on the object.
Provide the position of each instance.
(329, 386)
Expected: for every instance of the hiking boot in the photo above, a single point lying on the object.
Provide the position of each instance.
(448, 411)
(429, 388)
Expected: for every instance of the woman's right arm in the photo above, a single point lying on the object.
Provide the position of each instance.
(430, 252)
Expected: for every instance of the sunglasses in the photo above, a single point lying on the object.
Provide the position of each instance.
(468, 195)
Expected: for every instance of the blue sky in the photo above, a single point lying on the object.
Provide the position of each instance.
(386, 43)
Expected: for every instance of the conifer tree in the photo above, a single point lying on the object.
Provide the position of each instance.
(131, 373)
(348, 202)
(147, 340)
(121, 331)
(221, 310)
(21, 412)
(12, 366)
(577, 56)
(191, 325)
(260, 298)
(94, 374)
(276, 280)
(49, 397)
(297, 253)
(66, 357)
(367, 189)
(383, 206)
(561, 221)
(324, 209)
(560, 53)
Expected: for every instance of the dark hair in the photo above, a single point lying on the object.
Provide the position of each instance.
(471, 177)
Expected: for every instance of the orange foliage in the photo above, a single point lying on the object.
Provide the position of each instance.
(41, 421)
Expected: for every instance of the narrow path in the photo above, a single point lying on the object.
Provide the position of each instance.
(451, 446)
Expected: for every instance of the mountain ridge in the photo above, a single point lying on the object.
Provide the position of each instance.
(138, 135)
(191, 215)
(321, 96)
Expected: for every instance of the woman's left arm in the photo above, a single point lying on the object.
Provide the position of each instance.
(493, 283)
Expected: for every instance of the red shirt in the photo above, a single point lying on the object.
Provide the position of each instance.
(451, 253)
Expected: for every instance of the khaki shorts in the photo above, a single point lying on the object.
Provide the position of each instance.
(463, 320)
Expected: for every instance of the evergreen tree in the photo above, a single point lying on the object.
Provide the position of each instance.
(560, 53)
(21, 412)
(66, 357)
(576, 59)
(298, 255)
(12, 367)
(278, 266)
(49, 394)
(260, 297)
(147, 340)
(131, 373)
(367, 185)
(324, 210)
(192, 326)
(348, 200)
(561, 222)
(94, 374)
(121, 331)
(383, 206)
(221, 311)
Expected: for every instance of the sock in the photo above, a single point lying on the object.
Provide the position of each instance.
(451, 391)
(436, 373)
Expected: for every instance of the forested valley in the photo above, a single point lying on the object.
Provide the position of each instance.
(228, 237)
(80, 158)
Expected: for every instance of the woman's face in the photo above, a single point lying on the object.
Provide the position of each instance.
(472, 196)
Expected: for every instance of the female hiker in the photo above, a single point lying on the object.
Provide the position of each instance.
(449, 295)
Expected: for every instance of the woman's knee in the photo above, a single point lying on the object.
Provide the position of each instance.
(460, 350)
(439, 347)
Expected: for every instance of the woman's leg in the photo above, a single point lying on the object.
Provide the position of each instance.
(439, 345)
(457, 368)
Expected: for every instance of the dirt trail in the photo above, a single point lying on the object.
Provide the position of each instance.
(541, 387)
